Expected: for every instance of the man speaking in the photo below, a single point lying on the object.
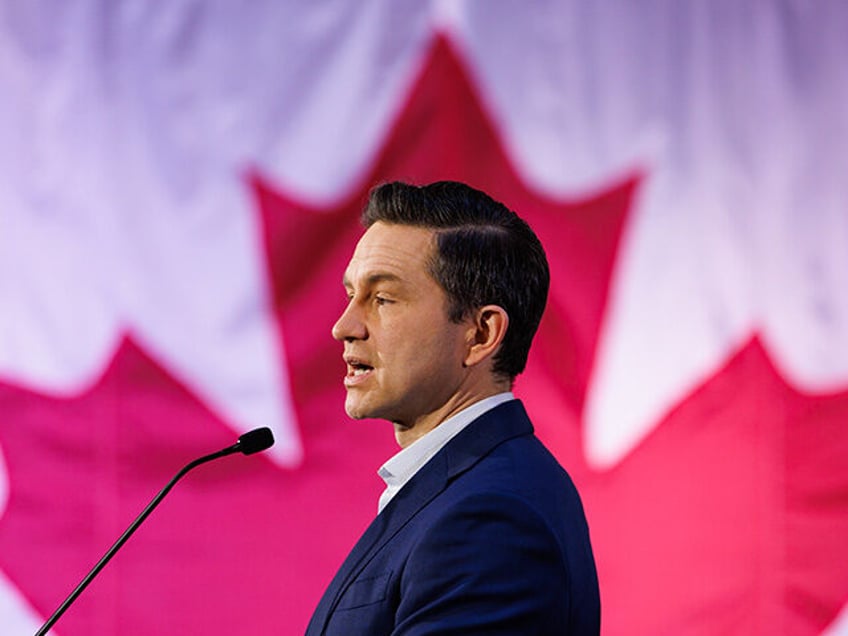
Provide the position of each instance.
(479, 530)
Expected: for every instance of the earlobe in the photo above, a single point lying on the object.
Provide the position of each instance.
(486, 334)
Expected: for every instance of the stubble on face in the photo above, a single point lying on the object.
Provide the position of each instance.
(404, 356)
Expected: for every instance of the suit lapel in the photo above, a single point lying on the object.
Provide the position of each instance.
(399, 511)
(460, 454)
(479, 438)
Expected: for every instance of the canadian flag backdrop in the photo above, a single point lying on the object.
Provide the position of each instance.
(180, 186)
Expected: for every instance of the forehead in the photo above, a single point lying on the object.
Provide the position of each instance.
(392, 251)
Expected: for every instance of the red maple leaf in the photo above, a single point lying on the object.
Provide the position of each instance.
(309, 248)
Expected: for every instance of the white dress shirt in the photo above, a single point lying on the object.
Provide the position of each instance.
(402, 467)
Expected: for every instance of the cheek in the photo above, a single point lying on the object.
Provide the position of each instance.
(437, 352)
(418, 346)
(407, 353)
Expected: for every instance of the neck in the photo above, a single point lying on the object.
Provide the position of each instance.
(406, 434)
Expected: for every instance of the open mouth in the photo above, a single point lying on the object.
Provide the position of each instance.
(357, 371)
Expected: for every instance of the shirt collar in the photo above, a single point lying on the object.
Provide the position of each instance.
(402, 466)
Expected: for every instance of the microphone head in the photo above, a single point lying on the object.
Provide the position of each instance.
(256, 440)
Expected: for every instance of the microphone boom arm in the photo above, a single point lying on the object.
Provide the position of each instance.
(248, 443)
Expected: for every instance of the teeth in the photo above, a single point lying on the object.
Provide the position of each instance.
(360, 370)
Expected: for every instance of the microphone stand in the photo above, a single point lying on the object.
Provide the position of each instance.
(129, 531)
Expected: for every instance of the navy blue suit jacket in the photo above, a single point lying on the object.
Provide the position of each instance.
(489, 537)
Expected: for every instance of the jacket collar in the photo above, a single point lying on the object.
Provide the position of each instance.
(478, 439)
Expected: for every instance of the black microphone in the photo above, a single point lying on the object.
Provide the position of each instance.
(251, 442)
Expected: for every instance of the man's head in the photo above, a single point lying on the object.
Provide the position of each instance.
(485, 255)
(445, 291)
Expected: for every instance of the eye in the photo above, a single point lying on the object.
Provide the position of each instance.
(382, 300)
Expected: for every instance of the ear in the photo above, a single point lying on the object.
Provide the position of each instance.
(485, 334)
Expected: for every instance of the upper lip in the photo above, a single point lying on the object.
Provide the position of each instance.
(356, 361)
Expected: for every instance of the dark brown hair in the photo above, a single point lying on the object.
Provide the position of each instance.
(486, 255)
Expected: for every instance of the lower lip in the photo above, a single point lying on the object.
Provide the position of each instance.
(359, 378)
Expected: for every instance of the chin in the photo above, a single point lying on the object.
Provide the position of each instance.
(356, 411)
(360, 410)
(353, 414)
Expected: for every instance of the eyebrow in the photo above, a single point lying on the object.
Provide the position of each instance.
(376, 277)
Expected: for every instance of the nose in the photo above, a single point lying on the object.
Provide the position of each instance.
(350, 325)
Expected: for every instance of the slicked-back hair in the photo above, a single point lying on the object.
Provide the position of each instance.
(485, 255)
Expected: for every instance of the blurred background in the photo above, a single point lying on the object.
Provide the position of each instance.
(180, 185)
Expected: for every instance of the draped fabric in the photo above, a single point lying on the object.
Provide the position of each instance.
(180, 185)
